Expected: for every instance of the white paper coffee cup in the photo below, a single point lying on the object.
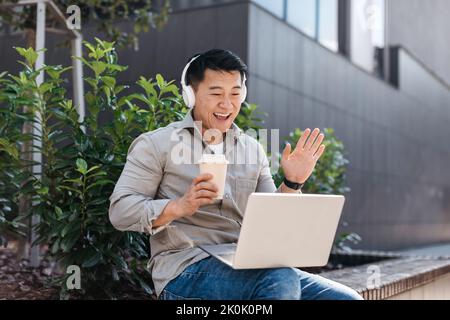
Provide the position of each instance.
(216, 165)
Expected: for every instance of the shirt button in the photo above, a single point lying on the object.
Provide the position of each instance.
(227, 196)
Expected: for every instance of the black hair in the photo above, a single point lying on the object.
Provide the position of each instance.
(214, 59)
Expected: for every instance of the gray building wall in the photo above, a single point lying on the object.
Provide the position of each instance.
(188, 32)
(395, 138)
(422, 27)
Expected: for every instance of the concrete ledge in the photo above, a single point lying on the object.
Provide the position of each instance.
(396, 276)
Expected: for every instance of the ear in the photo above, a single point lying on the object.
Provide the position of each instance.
(194, 87)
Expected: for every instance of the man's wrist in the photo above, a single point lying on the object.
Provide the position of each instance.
(170, 213)
(286, 189)
(175, 210)
(292, 184)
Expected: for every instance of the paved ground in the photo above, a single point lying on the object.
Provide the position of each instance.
(20, 282)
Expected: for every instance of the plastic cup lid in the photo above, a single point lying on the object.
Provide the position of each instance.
(213, 158)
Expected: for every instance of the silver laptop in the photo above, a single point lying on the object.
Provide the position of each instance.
(283, 230)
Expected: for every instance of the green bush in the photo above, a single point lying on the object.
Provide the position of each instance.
(80, 231)
(9, 155)
(12, 176)
(83, 160)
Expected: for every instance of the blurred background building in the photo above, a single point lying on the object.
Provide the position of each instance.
(377, 71)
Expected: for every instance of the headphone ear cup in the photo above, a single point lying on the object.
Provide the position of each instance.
(189, 97)
(185, 97)
(244, 91)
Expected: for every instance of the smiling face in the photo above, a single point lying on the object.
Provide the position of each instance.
(218, 99)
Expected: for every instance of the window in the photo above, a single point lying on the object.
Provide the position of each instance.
(356, 28)
(328, 23)
(302, 14)
(316, 18)
(367, 35)
(274, 6)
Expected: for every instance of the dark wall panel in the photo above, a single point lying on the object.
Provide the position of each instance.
(422, 27)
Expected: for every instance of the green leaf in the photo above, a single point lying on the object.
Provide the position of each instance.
(107, 92)
(29, 54)
(55, 72)
(58, 212)
(68, 242)
(116, 67)
(44, 87)
(91, 99)
(160, 81)
(98, 67)
(97, 174)
(107, 45)
(71, 227)
(97, 202)
(9, 148)
(93, 260)
(82, 166)
(92, 169)
(172, 89)
(55, 246)
(119, 261)
(148, 86)
(42, 191)
(100, 183)
(93, 83)
(109, 81)
(90, 47)
(71, 189)
(139, 97)
(119, 89)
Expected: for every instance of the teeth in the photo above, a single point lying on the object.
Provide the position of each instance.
(222, 114)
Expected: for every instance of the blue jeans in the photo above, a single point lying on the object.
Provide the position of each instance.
(210, 279)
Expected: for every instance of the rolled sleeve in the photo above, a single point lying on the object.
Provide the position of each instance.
(133, 206)
(157, 207)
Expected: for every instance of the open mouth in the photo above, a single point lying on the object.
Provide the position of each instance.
(222, 116)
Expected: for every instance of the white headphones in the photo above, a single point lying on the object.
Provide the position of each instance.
(188, 91)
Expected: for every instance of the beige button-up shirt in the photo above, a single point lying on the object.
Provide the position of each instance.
(161, 166)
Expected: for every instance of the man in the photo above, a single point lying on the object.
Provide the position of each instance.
(171, 201)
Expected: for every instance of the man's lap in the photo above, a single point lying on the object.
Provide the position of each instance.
(210, 279)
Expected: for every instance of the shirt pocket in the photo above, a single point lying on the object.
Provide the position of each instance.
(244, 187)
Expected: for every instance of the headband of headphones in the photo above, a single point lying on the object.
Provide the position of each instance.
(188, 91)
(183, 76)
